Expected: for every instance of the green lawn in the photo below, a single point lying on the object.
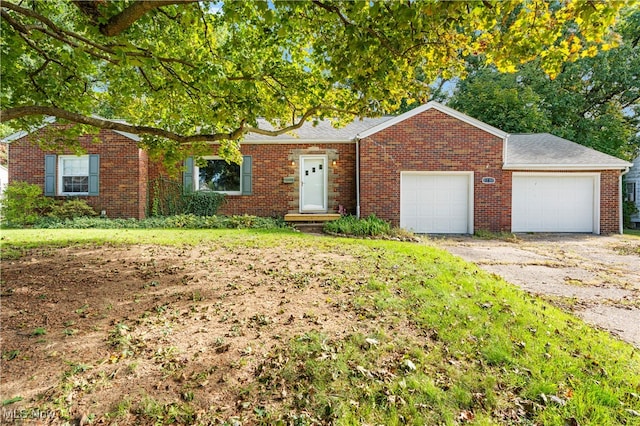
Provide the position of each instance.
(445, 343)
(635, 232)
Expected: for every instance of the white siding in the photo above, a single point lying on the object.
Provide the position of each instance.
(634, 176)
(4, 179)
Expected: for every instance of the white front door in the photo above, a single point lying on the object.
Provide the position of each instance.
(313, 184)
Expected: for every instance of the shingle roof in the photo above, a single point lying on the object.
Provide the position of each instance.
(432, 105)
(539, 151)
(322, 132)
(546, 151)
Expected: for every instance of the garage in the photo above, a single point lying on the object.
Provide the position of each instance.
(554, 202)
(436, 202)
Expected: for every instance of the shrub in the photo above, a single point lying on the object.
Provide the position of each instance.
(187, 221)
(351, 225)
(71, 209)
(628, 209)
(24, 203)
(182, 221)
(169, 198)
(203, 203)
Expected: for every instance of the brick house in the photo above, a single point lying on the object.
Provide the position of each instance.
(431, 170)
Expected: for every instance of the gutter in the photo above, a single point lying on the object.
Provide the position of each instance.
(290, 141)
(505, 145)
(564, 167)
(620, 211)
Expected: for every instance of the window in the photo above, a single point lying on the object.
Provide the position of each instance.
(219, 176)
(71, 175)
(73, 172)
(630, 192)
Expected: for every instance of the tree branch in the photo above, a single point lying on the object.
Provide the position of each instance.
(333, 9)
(66, 36)
(24, 111)
(123, 20)
(301, 121)
(90, 9)
(101, 123)
(368, 28)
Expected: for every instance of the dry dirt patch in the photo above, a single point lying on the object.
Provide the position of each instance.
(162, 321)
(597, 277)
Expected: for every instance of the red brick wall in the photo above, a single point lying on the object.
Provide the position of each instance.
(143, 184)
(610, 209)
(434, 141)
(271, 163)
(431, 141)
(121, 182)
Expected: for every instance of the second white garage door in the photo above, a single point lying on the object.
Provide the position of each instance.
(436, 203)
(555, 202)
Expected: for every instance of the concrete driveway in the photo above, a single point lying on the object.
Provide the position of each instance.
(596, 277)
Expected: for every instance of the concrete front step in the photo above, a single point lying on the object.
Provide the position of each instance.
(311, 217)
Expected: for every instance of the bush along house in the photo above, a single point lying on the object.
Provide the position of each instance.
(429, 170)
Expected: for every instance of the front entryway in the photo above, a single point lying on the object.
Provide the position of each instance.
(313, 184)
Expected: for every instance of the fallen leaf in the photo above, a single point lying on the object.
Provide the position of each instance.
(409, 365)
(363, 371)
(222, 348)
(571, 422)
(466, 416)
(557, 400)
(371, 342)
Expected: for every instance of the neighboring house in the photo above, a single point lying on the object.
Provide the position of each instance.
(631, 190)
(430, 170)
(4, 179)
(4, 172)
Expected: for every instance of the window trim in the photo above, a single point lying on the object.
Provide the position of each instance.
(60, 179)
(196, 177)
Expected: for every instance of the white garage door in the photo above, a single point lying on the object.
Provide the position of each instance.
(554, 203)
(436, 203)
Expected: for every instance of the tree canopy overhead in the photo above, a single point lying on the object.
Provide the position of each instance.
(594, 101)
(182, 73)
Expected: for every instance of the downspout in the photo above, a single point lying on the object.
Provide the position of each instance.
(621, 211)
(358, 178)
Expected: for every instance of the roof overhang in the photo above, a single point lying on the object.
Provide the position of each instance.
(433, 105)
(565, 167)
(21, 134)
